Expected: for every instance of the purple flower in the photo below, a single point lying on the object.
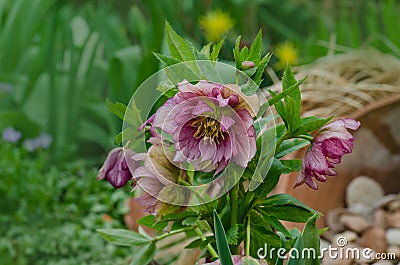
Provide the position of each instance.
(42, 141)
(115, 169)
(11, 135)
(210, 124)
(327, 149)
(157, 177)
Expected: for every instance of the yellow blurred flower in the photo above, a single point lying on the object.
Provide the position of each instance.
(215, 24)
(286, 53)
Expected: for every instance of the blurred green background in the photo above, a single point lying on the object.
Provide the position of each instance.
(60, 60)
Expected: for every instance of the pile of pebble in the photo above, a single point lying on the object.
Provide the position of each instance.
(371, 220)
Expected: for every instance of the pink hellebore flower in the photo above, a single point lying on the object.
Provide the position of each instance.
(115, 169)
(157, 177)
(211, 125)
(327, 149)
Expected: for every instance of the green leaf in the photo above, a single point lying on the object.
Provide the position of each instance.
(276, 98)
(123, 237)
(311, 124)
(299, 245)
(289, 80)
(222, 244)
(232, 235)
(216, 49)
(236, 53)
(311, 241)
(261, 67)
(290, 145)
(150, 221)
(255, 49)
(144, 255)
(275, 223)
(199, 243)
(191, 221)
(291, 166)
(292, 114)
(177, 46)
(271, 180)
(178, 216)
(165, 59)
(118, 109)
(286, 207)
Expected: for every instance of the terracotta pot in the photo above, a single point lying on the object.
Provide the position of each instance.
(376, 154)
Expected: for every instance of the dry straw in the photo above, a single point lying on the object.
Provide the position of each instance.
(343, 84)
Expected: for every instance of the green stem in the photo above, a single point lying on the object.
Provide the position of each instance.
(209, 247)
(248, 236)
(234, 200)
(173, 233)
(306, 137)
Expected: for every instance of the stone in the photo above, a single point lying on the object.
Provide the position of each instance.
(395, 250)
(350, 236)
(355, 223)
(393, 220)
(383, 203)
(374, 238)
(393, 236)
(367, 256)
(382, 262)
(365, 191)
(333, 219)
(380, 218)
(394, 206)
(365, 210)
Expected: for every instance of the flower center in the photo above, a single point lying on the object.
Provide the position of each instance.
(208, 128)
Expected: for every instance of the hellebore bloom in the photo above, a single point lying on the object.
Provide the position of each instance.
(327, 149)
(115, 169)
(157, 177)
(11, 135)
(211, 125)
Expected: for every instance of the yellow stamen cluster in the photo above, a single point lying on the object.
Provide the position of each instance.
(208, 128)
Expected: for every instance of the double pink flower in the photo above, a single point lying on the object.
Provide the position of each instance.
(210, 125)
(327, 149)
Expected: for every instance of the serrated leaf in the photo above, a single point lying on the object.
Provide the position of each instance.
(222, 245)
(165, 59)
(232, 235)
(236, 53)
(191, 221)
(286, 207)
(291, 166)
(199, 243)
(275, 223)
(216, 49)
(255, 49)
(292, 114)
(290, 145)
(177, 46)
(206, 50)
(311, 124)
(178, 216)
(144, 255)
(118, 109)
(123, 237)
(261, 67)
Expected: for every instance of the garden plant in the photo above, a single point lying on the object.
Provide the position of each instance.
(203, 148)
